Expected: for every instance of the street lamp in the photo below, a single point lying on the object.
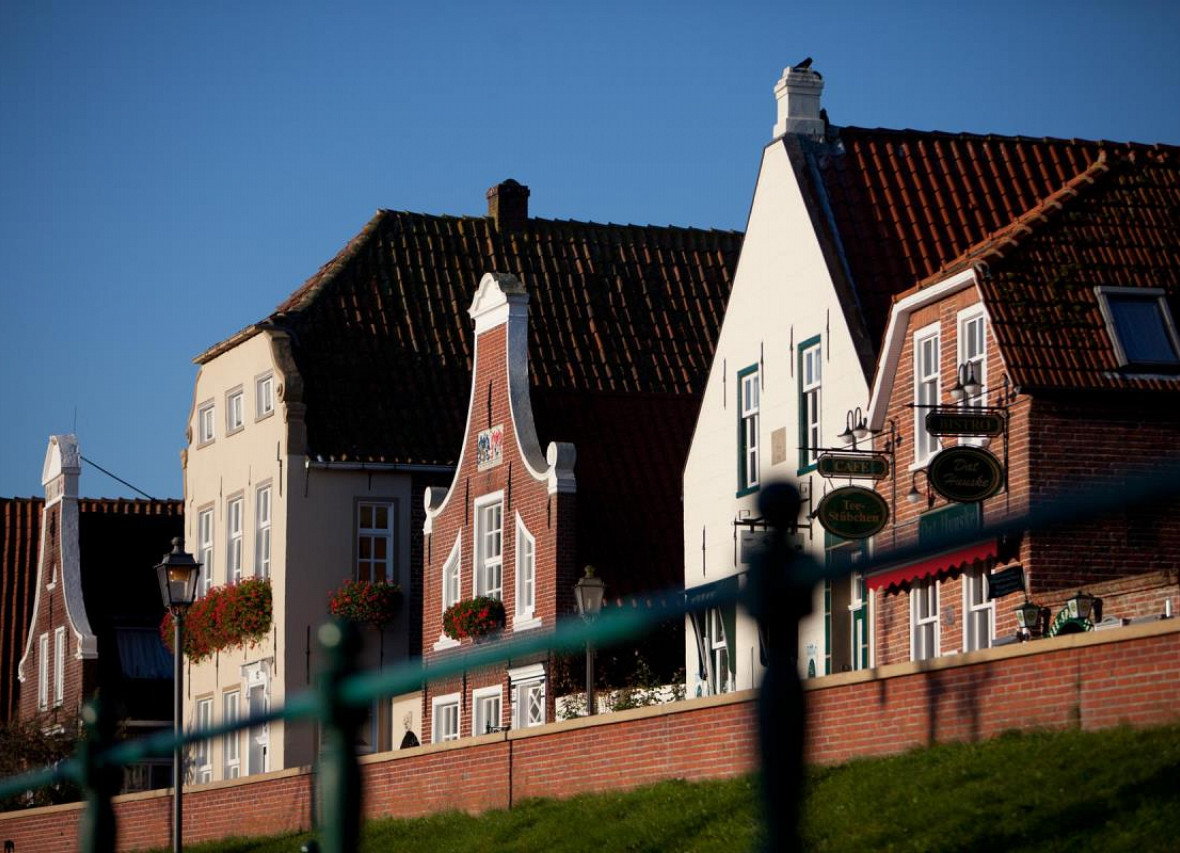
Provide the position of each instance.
(178, 573)
(588, 593)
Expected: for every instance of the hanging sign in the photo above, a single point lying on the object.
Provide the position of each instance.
(858, 466)
(853, 512)
(963, 422)
(965, 474)
(1005, 582)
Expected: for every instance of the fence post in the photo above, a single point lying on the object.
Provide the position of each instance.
(778, 602)
(339, 774)
(96, 833)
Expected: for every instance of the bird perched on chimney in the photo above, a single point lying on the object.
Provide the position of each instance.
(802, 66)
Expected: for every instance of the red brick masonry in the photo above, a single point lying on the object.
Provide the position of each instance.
(1094, 680)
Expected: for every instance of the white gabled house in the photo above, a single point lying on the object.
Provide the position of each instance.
(791, 361)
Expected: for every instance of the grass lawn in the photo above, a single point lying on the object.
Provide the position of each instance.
(1068, 791)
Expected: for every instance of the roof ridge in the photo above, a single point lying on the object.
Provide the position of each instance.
(562, 222)
(966, 134)
(1000, 240)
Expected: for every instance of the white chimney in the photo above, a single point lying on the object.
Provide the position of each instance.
(798, 101)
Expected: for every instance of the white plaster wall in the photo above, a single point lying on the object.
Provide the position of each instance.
(320, 556)
(782, 296)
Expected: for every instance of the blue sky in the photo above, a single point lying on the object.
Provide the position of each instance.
(169, 172)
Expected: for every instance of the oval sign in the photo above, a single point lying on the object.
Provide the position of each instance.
(965, 474)
(853, 512)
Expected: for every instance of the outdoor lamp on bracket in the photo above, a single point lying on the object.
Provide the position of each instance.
(913, 495)
(1082, 605)
(1028, 617)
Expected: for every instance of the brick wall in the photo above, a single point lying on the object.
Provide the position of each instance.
(1095, 680)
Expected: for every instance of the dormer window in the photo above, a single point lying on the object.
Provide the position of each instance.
(1140, 327)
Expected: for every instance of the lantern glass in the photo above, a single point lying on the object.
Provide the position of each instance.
(178, 573)
(588, 593)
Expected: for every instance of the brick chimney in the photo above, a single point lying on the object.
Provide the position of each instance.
(798, 94)
(508, 206)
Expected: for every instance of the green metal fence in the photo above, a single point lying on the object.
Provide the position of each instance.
(780, 578)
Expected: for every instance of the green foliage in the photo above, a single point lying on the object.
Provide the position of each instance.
(231, 616)
(24, 746)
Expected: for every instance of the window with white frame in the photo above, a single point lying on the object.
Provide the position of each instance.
(232, 742)
(526, 571)
(59, 666)
(528, 701)
(717, 646)
(205, 546)
(203, 757)
(450, 576)
(43, 671)
(374, 541)
(927, 390)
(264, 396)
(979, 624)
(1140, 326)
(810, 376)
(749, 402)
(444, 724)
(235, 415)
(973, 350)
(489, 545)
(262, 532)
(233, 530)
(924, 619)
(486, 704)
(205, 427)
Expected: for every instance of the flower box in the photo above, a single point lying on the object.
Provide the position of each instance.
(231, 616)
(474, 618)
(366, 602)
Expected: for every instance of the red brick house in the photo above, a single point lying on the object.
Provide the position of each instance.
(97, 608)
(1064, 318)
(505, 528)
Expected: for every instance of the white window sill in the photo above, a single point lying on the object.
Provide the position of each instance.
(234, 430)
(526, 623)
(264, 416)
(445, 642)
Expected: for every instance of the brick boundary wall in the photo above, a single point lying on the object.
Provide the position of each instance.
(1128, 675)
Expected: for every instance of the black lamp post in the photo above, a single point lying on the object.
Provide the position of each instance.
(588, 593)
(178, 575)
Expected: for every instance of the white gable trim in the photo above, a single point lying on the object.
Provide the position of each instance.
(502, 300)
(895, 338)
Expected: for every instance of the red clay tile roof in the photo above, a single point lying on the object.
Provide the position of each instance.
(383, 341)
(20, 548)
(1115, 224)
(906, 202)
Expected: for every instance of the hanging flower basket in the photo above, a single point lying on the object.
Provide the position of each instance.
(231, 616)
(474, 618)
(366, 602)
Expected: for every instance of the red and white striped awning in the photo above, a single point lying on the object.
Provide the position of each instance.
(960, 559)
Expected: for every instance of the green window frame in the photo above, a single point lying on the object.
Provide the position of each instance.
(749, 390)
(810, 356)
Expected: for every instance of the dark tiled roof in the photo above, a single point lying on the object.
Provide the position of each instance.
(120, 541)
(383, 341)
(631, 454)
(904, 202)
(1115, 224)
(20, 544)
